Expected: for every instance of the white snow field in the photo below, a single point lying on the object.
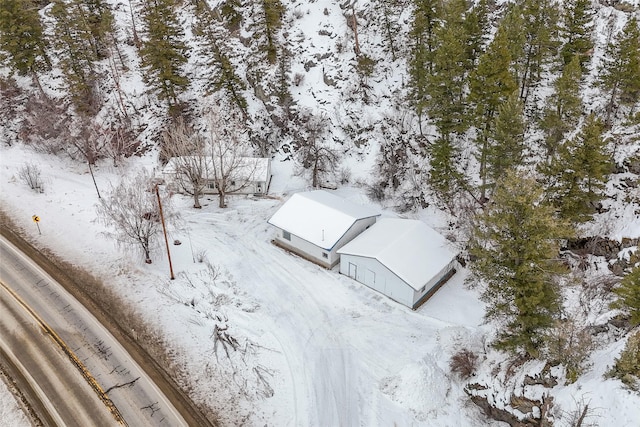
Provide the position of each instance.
(313, 347)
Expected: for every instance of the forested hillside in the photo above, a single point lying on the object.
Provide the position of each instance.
(519, 120)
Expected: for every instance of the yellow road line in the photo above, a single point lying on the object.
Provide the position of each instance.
(71, 355)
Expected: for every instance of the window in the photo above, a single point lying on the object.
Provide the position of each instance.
(286, 235)
(423, 289)
(325, 255)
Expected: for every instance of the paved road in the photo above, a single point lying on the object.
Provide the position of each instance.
(76, 337)
(58, 392)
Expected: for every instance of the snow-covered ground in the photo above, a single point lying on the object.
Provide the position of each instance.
(329, 350)
(10, 413)
(314, 347)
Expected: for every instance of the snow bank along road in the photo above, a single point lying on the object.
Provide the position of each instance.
(81, 340)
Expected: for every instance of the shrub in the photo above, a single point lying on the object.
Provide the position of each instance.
(30, 174)
(627, 366)
(464, 363)
(570, 346)
(629, 293)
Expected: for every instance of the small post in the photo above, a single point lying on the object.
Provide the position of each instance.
(36, 219)
(164, 229)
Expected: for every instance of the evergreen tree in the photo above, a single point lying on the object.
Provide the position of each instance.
(230, 14)
(447, 102)
(447, 83)
(490, 86)
(214, 45)
(77, 53)
(389, 16)
(564, 107)
(422, 34)
(21, 37)
(621, 67)
(270, 22)
(506, 142)
(516, 244)
(476, 25)
(444, 178)
(576, 28)
(96, 16)
(164, 53)
(532, 33)
(629, 294)
(580, 168)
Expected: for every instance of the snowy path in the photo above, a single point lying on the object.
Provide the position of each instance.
(322, 327)
(302, 324)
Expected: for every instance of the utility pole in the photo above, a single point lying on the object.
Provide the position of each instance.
(164, 229)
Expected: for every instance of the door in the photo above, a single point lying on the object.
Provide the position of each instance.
(353, 271)
(370, 278)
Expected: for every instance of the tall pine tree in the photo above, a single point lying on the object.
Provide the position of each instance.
(164, 52)
(221, 74)
(621, 67)
(506, 140)
(516, 245)
(576, 28)
(476, 25)
(422, 34)
(446, 86)
(78, 46)
(447, 82)
(533, 38)
(564, 107)
(580, 168)
(21, 37)
(491, 83)
(268, 19)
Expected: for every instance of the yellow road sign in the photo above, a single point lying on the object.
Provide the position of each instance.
(35, 218)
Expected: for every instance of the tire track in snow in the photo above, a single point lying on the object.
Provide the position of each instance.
(309, 339)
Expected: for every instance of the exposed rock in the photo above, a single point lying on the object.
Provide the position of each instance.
(544, 378)
(309, 65)
(600, 246)
(328, 80)
(633, 165)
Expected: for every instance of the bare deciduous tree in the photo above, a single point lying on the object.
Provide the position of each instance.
(313, 150)
(132, 211)
(228, 149)
(185, 150)
(121, 139)
(46, 125)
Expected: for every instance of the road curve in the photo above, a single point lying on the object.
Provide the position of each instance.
(58, 394)
(90, 346)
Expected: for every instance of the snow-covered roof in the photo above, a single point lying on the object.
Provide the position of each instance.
(248, 168)
(409, 248)
(319, 217)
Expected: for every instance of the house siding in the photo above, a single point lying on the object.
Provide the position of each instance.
(372, 273)
(315, 253)
(253, 187)
(258, 185)
(384, 280)
(307, 250)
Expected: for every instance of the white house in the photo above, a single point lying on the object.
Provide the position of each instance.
(252, 175)
(316, 224)
(401, 258)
